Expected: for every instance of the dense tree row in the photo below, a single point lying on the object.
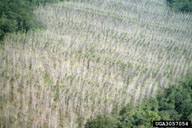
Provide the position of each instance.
(181, 5)
(16, 15)
(174, 104)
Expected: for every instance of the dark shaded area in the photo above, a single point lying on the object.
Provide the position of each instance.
(181, 5)
(174, 104)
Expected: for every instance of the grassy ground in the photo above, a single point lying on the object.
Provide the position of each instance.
(93, 57)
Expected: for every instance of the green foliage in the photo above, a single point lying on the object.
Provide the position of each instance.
(102, 121)
(139, 117)
(177, 101)
(181, 5)
(174, 104)
(17, 15)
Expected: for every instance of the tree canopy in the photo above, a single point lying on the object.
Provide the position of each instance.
(17, 15)
(181, 5)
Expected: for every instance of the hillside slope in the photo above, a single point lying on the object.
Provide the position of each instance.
(93, 57)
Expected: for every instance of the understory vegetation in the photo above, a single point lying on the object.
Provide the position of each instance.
(92, 58)
(174, 104)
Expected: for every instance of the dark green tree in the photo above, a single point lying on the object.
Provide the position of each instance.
(17, 15)
(180, 5)
(102, 121)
